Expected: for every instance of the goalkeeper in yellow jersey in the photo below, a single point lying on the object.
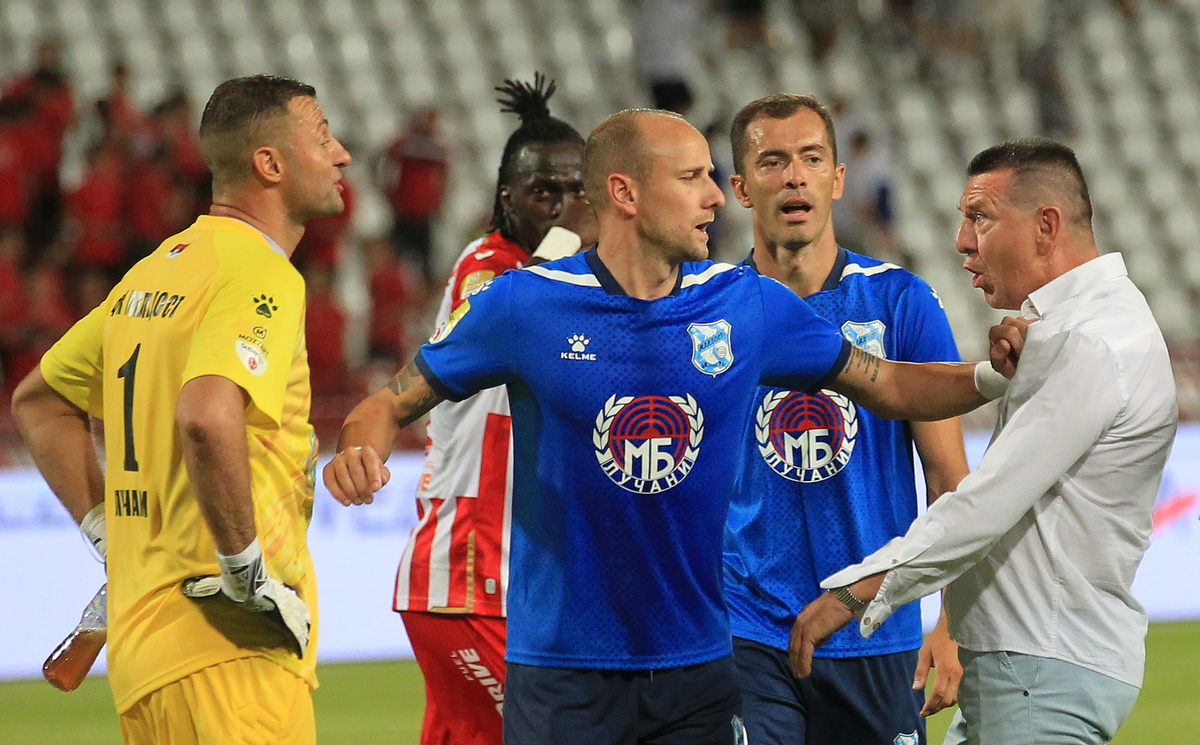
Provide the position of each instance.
(197, 365)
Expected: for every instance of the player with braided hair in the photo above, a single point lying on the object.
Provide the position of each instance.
(450, 589)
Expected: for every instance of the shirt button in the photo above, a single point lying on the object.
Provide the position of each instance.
(867, 621)
(895, 562)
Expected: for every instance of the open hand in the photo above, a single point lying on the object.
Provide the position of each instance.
(813, 627)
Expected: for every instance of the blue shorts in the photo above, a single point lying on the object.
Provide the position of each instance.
(852, 701)
(693, 705)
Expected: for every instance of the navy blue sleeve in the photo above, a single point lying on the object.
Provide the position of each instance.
(925, 334)
(801, 350)
(471, 350)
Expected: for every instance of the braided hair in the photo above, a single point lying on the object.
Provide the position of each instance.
(538, 127)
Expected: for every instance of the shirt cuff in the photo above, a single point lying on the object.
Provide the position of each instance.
(434, 381)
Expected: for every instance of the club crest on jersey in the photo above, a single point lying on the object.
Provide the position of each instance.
(648, 444)
(806, 438)
(909, 739)
(712, 351)
(866, 336)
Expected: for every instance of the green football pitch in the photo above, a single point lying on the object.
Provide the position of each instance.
(381, 702)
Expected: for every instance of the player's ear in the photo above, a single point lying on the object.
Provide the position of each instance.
(738, 184)
(839, 180)
(622, 192)
(267, 163)
(505, 198)
(1049, 227)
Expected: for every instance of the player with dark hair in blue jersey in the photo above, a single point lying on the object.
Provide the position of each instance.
(630, 371)
(825, 482)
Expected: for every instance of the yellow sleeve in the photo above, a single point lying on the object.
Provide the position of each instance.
(249, 332)
(74, 366)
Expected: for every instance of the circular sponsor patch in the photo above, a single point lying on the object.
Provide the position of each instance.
(806, 438)
(648, 444)
(252, 357)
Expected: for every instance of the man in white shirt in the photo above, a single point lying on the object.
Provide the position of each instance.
(1039, 545)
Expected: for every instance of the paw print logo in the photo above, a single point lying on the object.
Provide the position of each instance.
(578, 343)
(266, 305)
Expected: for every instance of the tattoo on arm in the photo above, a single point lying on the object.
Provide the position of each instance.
(404, 379)
(867, 362)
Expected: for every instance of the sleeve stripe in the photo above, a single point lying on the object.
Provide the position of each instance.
(434, 381)
(582, 280)
(836, 369)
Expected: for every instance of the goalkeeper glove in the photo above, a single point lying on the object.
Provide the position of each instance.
(245, 581)
(93, 528)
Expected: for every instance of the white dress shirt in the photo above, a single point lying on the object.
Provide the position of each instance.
(1039, 545)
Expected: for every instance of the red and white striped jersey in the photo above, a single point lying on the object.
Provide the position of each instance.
(457, 555)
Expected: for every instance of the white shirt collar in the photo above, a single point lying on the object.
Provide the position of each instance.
(1070, 284)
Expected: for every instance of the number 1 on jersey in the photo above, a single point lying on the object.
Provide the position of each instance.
(127, 371)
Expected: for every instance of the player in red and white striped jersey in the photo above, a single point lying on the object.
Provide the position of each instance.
(452, 580)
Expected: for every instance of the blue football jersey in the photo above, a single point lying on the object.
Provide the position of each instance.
(825, 482)
(628, 419)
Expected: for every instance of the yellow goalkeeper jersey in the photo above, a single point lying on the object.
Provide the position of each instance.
(217, 299)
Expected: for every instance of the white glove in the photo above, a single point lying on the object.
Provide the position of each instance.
(93, 528)
(245, 581)
(558, 243)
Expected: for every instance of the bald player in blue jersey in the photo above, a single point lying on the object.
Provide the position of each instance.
(630, 370)
(826, 484)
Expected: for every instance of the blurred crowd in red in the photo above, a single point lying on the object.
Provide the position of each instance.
(63, 248)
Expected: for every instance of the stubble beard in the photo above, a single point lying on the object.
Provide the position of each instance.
(674, 251)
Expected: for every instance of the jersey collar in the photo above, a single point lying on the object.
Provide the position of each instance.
(835, 274)
(609, 282)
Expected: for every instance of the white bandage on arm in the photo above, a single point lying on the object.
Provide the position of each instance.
(93, 528)
(991, 384)
(558, 243)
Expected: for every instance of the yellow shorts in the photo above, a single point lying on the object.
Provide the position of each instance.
(250, 701)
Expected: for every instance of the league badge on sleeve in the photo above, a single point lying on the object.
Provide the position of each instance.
(712, 350)
(866, 336)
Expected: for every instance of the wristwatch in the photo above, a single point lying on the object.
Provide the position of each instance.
(847, 599)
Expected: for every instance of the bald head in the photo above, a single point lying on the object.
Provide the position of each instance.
(623, 143)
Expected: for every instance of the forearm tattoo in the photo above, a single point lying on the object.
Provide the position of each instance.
(865, 361)
(404, 379)
(410, 376)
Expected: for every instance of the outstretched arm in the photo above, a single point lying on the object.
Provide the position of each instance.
(907, 390)
(928, 391)
(357, 471)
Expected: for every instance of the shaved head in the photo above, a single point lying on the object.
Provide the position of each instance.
(618, 145)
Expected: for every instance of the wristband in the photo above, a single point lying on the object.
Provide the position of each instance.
(990, 384)
(93, 528)
(243, 573)
(558, 243)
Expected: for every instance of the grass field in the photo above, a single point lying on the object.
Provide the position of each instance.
(381, 702)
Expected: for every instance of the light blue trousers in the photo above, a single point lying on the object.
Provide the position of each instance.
(1007, 698)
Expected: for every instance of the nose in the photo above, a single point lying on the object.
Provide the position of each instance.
(556, 205)
(716, 197)
(965, 241)
(793, 175)
(342, 156)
